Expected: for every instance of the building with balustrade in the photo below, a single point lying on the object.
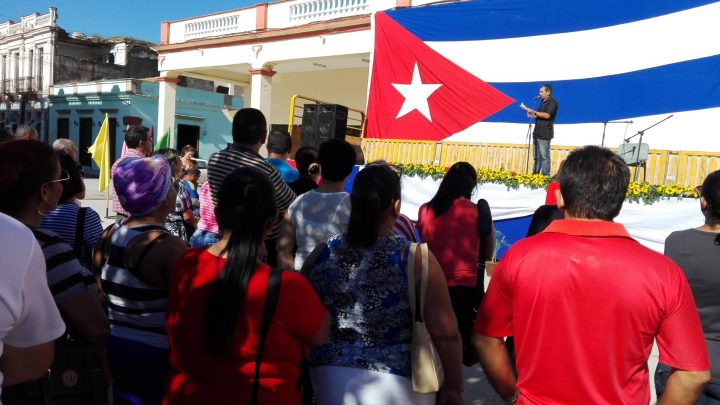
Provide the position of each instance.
(36, 53)
(288, 53)
(318, 50)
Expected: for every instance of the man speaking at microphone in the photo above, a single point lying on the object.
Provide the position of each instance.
(544, 131)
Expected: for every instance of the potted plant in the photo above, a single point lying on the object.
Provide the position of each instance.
(500, 242)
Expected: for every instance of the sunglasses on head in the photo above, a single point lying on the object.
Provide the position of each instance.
(396, 169)
(64, 177)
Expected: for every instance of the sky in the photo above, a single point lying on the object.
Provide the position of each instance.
(133, 18)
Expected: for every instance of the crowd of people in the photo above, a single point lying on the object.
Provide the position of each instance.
(271, 284)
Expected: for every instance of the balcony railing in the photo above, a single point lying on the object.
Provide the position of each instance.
(30, 84)
(317, 10)
(211, 27)
(28, 23)
(277, 16)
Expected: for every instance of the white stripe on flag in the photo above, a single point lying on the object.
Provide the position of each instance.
(684, 131)
(677, 37)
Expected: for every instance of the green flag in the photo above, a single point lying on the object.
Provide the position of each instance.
(164, 141)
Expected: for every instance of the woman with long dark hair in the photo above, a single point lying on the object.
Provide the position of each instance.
(697, 252)
(460, 233)
(361, 278)
(216, 307)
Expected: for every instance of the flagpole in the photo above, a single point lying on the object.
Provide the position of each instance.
(107, 202)
(107, 156)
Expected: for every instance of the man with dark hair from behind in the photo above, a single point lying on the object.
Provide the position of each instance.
(139, 144)
(249, 131)
(585, 302)
(279, 145)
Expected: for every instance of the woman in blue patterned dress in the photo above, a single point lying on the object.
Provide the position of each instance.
(361, 278)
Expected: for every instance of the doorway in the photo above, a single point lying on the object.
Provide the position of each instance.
(112, 131)
(188, 135)
(86, 135)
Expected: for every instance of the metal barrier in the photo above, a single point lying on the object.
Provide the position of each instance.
(663, 166)
(400, 151)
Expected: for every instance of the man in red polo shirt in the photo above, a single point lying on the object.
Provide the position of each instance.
(585, 301)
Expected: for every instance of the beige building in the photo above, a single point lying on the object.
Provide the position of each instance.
(36, 53)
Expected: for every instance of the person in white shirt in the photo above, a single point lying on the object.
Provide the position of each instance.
(29, 318)
(320, 213)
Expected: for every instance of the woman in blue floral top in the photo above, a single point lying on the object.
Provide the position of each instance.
(361, 278)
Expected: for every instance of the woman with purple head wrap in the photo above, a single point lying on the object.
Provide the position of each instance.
(142, 183)
(136, 257)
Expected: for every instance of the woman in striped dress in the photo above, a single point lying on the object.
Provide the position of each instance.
(136, 257)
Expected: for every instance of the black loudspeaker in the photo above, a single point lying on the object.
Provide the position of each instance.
(321, 122)
(309, 125)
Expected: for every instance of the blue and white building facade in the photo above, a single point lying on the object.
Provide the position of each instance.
(201, 119)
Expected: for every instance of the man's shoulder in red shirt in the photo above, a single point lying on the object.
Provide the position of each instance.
(585, 302)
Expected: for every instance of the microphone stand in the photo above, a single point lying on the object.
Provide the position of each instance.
(529, 136)
(642, 133)
(602, 142)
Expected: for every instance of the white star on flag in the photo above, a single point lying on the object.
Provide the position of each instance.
(416, 94)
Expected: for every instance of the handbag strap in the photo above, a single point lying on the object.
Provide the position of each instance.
(410, 270)
(79, 230)
(423, 279)
(271, 299)
(419, 316)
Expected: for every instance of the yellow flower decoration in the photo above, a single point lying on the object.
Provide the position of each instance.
(637, 192)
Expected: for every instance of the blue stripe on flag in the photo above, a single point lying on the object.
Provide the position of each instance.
(482, 20)
(684, 86)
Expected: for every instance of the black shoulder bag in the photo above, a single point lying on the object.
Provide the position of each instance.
(79, 230)
(271, 299)
(76, 375)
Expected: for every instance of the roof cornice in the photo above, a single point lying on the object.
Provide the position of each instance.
(326, 27)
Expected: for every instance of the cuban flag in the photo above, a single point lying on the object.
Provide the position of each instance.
(459, 71)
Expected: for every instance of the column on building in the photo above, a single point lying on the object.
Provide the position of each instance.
(261, 89)
(261, 93)
(166, 106)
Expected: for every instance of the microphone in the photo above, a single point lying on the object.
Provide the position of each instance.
(537, 97)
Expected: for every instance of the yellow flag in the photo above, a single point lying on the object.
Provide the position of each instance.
(100, 152)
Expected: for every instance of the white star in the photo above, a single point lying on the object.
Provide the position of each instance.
(416, 94)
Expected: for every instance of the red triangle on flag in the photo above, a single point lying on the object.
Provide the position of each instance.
(405, 70)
